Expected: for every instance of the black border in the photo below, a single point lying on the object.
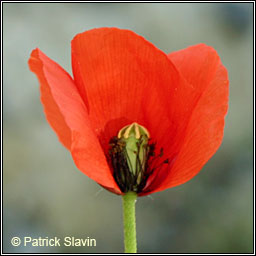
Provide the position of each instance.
(35, 2)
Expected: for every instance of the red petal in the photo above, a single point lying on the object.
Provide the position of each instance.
(68, 115)
(201, 66)
(125, 79)
(52, 112)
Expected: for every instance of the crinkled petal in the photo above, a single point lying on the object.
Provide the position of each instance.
(201, 66)
(68, 116)
(124, 79)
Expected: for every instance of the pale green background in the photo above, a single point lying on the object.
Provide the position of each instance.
(46, 195)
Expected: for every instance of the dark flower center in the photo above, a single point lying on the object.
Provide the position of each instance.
(131, 157)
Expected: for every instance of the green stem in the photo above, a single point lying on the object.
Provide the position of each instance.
(130, 243)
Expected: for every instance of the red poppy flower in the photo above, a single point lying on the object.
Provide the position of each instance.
(181, 99)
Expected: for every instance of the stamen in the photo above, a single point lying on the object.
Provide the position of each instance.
(132, 157)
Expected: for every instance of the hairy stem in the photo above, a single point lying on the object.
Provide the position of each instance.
(130, 243)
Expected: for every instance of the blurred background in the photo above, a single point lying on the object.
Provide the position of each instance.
(45, 195)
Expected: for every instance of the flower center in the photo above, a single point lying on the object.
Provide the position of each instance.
(129, 153)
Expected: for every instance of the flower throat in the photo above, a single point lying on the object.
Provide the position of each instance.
(130, 153)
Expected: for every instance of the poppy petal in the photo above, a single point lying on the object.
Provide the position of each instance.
(201, 66)
(51, 110)
(72, 113)
(125, 79)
